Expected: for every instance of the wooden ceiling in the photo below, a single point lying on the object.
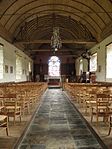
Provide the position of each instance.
(29, 24)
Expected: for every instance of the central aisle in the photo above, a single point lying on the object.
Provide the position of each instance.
(58, 125)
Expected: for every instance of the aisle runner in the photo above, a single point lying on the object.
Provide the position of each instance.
(58, 125)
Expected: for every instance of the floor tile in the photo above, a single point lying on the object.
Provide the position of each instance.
(59, 125)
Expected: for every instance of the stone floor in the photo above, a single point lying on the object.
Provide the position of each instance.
(101, 130)
(57, 124)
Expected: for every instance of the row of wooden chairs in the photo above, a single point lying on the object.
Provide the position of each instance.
(96, 101)
(17, 99)
(4, 123)
(110, 125)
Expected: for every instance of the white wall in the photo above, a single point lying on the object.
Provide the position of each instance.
(100, 48)
(10, 60)
(101, 62)
(85, 65)
(77, 62)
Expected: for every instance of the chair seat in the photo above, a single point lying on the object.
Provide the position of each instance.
(110, 124)
(91, 102)
(1, 107)
(4, 122)
(12, 107)
(2, 117)
(100, 108)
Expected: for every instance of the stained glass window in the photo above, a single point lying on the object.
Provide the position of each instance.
(54, 66)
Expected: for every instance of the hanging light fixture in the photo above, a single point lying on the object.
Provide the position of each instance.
(86, 55)
(56, 43)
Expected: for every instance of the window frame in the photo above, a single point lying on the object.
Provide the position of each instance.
(2, 64)
(58, 60)
(18, 75)
(96, 66)
(106, 61)
(80, 65)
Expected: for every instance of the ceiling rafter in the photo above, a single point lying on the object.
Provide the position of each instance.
(103, 9)
(44, 29)
(91, 9)
(42, 50)
(110, 1)
(63, 45)
(48, 29)
(28, 3)
(79, 31)
(76, 26)
(64, 5)
(67, 13)
(81, 23)
(63, 41)
(7, 9)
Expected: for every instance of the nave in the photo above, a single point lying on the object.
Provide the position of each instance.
(57, 124)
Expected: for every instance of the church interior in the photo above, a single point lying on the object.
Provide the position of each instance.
(55, 74)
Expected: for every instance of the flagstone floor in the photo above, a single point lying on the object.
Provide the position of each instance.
(57, 124)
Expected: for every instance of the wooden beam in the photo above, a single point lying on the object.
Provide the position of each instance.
(60, 55)
(60, 50)
(63, 41)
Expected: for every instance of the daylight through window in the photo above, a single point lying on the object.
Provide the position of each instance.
(109, 61)
(1, 61)
(54, 66)
(18, 67)
(93, 62)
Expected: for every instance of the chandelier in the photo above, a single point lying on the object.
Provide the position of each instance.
(56, 40)
(86, 54)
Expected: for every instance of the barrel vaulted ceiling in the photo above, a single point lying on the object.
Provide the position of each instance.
(29, 24)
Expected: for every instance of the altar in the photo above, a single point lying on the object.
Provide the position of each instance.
(54, 82)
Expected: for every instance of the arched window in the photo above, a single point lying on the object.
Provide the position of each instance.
(109, 61)
(1, 61)
(93, 62)
(54, 66)
(80, 67)
(18, 66)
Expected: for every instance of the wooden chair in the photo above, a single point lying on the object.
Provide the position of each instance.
(11, 107)
(90, 101)
(4, 123)
(110, 117)
(22, 102)
(101, 109)
(110, 124)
